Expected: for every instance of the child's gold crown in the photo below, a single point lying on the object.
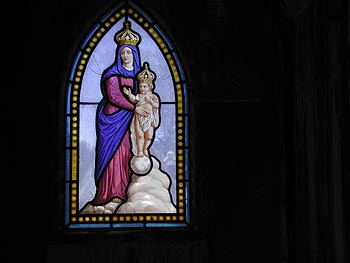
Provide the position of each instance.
(146, 75)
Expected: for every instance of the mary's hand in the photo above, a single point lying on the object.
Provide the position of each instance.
(141, 111)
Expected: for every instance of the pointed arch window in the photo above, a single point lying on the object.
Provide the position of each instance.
(152, 188)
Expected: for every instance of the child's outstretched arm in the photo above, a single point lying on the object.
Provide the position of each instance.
(131, 96)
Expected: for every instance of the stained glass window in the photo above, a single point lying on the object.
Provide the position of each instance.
(127, 136)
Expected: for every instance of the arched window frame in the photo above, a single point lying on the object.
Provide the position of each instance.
(180, 219)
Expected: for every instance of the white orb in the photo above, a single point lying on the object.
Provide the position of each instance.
(141, 165)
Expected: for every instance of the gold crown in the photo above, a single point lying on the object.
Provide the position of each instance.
(146, 75)
(127, 36)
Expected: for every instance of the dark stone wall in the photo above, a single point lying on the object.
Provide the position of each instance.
(269, 95)
(318, 141)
